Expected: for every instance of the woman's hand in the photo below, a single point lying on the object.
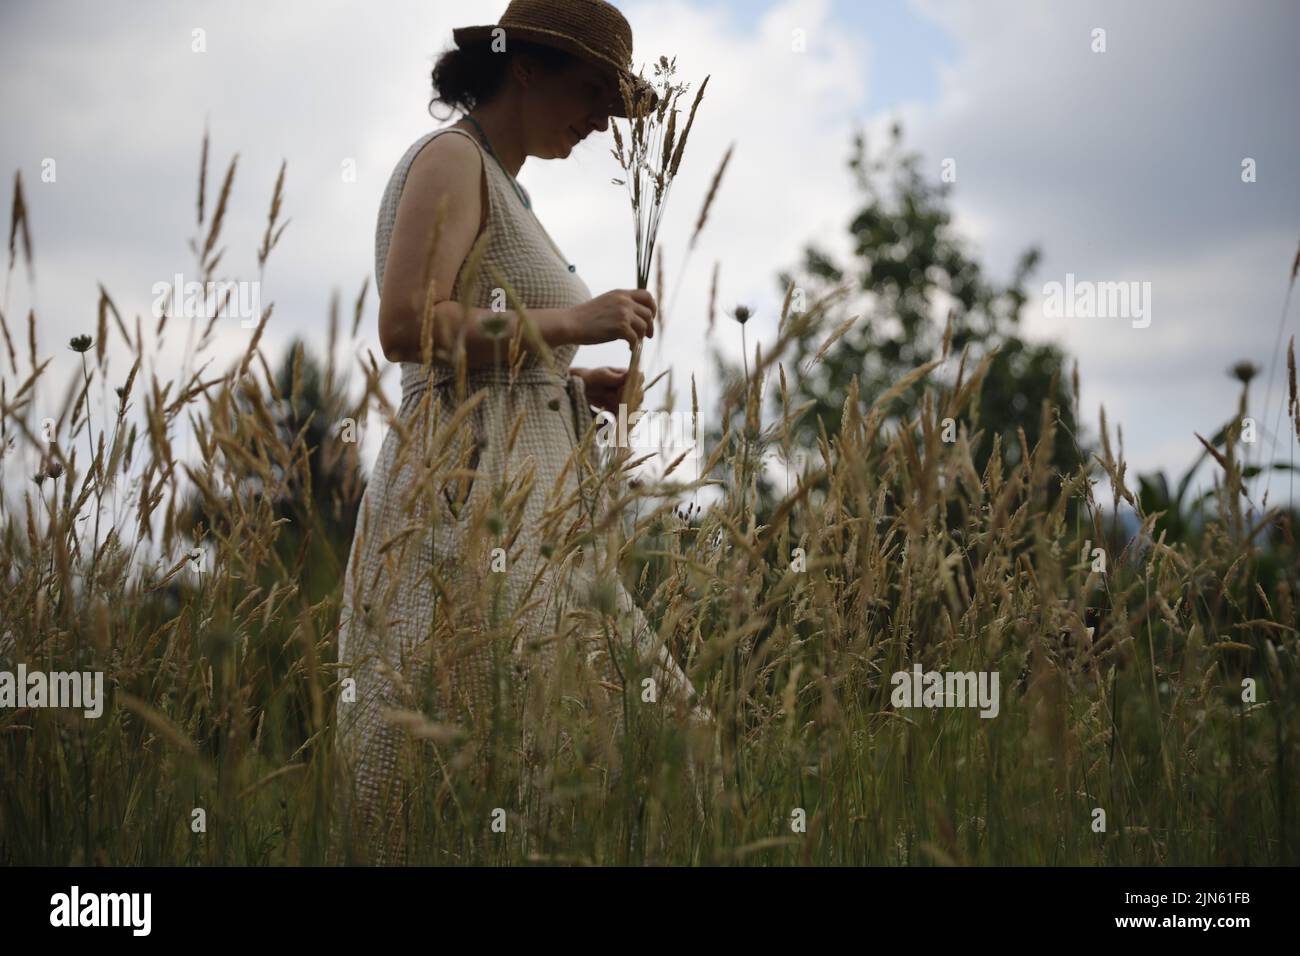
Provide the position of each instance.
(605, 385)
(626, 314)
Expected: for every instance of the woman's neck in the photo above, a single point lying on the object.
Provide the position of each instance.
(503, 133)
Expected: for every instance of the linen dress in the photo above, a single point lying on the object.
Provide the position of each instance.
(422, 574)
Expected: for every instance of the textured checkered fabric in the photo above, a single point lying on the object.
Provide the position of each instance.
(421, 574)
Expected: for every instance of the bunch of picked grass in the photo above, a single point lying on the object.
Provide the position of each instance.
(652, 154)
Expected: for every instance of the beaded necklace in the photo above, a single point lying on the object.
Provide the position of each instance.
(523, 196)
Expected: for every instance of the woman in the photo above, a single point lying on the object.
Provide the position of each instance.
(475, 512)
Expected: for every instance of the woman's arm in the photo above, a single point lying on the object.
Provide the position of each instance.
(404, 343)
(448, 186)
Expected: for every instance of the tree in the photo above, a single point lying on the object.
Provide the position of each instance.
(911, 275)
(312, 444)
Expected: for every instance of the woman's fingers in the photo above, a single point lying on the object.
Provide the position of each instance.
(635, 326)
(606, 386)
(646, 302)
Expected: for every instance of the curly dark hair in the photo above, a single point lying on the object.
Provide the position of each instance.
(466, 78)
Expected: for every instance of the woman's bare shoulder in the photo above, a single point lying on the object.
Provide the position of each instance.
(448, 159)
(449, 165)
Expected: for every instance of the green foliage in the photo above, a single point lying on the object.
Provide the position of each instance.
(911, 275)
(310, 418)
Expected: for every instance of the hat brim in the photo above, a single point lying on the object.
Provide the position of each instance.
(466, 37)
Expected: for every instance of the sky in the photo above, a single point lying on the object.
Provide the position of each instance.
(1121, 166)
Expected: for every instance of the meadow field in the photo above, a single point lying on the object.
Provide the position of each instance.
(1146, 680)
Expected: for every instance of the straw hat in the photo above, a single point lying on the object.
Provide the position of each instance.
(591, 29)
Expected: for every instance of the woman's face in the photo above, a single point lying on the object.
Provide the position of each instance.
(566, 106)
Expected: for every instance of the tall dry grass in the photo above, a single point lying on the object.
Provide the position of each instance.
(223, 680)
